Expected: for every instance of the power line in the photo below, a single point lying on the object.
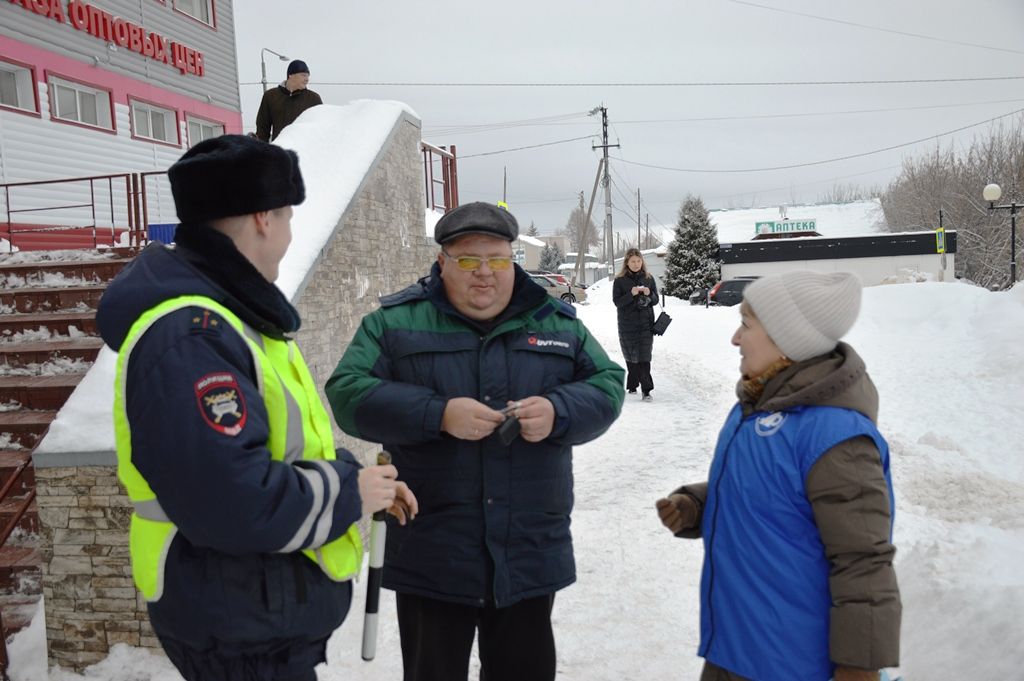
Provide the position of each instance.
(905, 81)
(465, 130)
(532, 146)
(487, 127)
(803, 184)
(704, 119)
(875, 28)
(824, 161)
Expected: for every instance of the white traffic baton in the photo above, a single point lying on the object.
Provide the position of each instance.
(378, 533)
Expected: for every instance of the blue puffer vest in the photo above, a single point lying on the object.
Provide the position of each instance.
(765, 596)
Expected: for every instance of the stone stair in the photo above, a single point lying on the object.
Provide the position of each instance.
(48, 341)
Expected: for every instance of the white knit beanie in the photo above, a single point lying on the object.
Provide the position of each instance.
(805, 313)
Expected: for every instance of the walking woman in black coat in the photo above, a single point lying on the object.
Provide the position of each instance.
(635, 295)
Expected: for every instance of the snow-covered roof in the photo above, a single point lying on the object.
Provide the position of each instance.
(533, 241)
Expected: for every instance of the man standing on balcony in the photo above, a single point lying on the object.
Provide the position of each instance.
(283, 104)
(243, 537)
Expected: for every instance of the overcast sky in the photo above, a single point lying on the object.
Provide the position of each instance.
(602, 43)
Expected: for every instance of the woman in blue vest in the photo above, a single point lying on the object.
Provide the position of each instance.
(796, 514)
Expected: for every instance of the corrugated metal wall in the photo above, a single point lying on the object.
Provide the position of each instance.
(36, 148)
(220, 82)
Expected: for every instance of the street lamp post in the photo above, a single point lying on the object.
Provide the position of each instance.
(992, 193)
(263, 64)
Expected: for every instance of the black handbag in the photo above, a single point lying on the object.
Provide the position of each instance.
(663, 320)
(661, 323)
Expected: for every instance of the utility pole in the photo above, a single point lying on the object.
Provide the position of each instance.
(606, 180)
(639, 244)
(585, 236)
(504, 185)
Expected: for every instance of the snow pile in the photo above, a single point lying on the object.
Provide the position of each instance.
(337, 146)
(54, 367)
(42, 334)
(45, 280)
(36, 257)
(949, 365)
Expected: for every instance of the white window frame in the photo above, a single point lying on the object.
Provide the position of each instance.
(18, 84)
(195, 9)
(216, 129)
(87, 100)
(142, 122)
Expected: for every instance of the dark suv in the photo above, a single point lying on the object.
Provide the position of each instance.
(729, 292)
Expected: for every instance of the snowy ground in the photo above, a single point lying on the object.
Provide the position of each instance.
(949, 364)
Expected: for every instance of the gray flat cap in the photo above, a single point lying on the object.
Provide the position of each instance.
(476, 218)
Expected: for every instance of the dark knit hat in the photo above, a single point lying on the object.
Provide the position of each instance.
(234, 175)
(297, 66)
(476, 218)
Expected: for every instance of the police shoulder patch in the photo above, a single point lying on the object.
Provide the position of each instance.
(221, 403)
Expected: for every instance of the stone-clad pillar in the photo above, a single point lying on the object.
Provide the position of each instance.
(91, 602)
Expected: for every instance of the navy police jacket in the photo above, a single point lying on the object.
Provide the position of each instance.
(226, 585)
(493, 525)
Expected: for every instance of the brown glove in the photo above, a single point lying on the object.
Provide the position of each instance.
(678, 512)
(854, 674)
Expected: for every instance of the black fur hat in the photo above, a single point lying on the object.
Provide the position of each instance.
(234, 175)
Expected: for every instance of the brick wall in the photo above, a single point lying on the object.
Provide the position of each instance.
(378, 247)
(91, 603)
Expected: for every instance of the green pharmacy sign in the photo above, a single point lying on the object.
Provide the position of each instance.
(785, 226)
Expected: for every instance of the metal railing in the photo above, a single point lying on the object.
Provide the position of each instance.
(449, 182)
(110, 203)
(5, 532)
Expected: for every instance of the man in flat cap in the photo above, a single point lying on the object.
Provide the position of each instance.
(243, 536)
(479, 384)
(281, 105)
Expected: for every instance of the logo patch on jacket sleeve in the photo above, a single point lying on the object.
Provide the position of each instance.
(221, 403)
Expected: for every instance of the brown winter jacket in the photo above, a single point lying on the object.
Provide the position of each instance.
(850, 500)
(280, 108)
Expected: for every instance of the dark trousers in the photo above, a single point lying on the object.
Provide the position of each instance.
(516, 643)
(286, 664)
(639, 374)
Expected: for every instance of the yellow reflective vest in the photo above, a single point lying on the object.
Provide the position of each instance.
(299, 429)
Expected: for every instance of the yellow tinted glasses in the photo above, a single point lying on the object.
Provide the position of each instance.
(471, 263)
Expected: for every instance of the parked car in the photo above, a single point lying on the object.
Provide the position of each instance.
(729, 291)
(570, 293)
(560, 278)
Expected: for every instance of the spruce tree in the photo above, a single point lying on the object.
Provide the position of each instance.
(532, 230)
(550, 258)
(692, 261)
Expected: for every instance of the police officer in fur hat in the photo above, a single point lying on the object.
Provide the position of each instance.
(281, 105)
(243, 537)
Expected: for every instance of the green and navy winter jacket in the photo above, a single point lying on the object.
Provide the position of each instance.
(493, 525)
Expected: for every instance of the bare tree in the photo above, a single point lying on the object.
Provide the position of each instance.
(952, 180)
(574, 230)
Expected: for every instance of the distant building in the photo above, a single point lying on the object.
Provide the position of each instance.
(875, 258)
(560, 240)
(526, 250)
